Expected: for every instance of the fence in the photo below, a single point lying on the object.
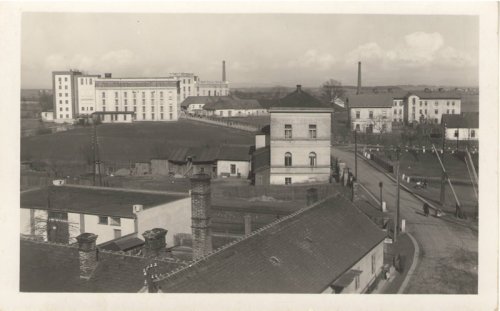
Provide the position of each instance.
(221, 122)
(384, 164)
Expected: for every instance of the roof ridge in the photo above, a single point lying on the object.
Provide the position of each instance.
(244, 238)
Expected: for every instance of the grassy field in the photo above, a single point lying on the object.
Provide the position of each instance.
(124, 143)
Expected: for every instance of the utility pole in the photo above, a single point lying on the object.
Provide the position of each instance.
(396, 223)
(443, 175)
(355, 155)
(97, 161)
(381, 185)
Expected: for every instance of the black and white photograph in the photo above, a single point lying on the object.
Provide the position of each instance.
(335, 148)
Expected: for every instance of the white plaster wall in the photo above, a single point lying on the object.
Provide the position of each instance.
(379, 118)
(260, 141)
(463, 134)
(279, 179)
(86, 95)
(174, 217)
(242, 167)
(106, 232)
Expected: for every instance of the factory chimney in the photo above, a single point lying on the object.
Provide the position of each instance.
(200, 215)
(358, 91)
(224, 71)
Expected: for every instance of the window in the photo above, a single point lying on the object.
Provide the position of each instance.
(60, 87)
(435, 111)
(104, 102)
(67, 116)
(125, 102)
(66, 101)
(420, 103)
(144, 116)
(357, 127)
(395, 111)
(358, 114)
(125, 94)
(65, 87)
(400, 111)
(384, 114)
(161, 108)
(66, 94)
(413, 110)
(135, 109)
(453, 103)
(312, 159)
(288, 159)
(143, 101)
(414, 101)
(153, 109)
(312, 131)
(143, 109)
(288, 180)
(116, 108)
(116, 101)
(135, 101)
(65, 78)
(161, 116)
(452, 111)
(170, 115)
(435, 103)
(126, 108)
(103, 220)
(426, 103)
(91, 108)
(447, 111)
(115, 221)
(125, 117)
(103, 108)
(472, 133)
(153, 116)
(370, 114)
(60, 109)
(447, 103)
(59, 79)
(61, 116)
(143, 94)
(456, 133)
(60, 94)
(67, 109)
(288, 131)
(233, 169)
(420, 111)
(356, 281)
(134, 94)
(60, 102)
(161, 93)
(425, 111)
(90, 81)
(374, 263)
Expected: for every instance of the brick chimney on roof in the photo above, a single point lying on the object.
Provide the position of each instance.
(87, 252)
(154, 242)
(200, 215)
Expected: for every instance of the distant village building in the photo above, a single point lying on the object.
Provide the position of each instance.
(79, 95)
(377, 112)
(222, 106)
(300, 132)
(461, 127)
(54, 214)
(47, 116)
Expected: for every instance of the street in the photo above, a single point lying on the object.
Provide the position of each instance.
(448, 250)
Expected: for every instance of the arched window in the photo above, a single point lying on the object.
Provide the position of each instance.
(288, 159)
(312, 159)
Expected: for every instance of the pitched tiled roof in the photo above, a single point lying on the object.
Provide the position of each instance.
(373, 100)
(233, 102)
(210, 154)
(50, 267)
(301, 253)
(192, 100)
(96, 201)
(464, 120)
(437, 95)
(299, 99)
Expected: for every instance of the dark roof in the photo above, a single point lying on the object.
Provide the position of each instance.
(210, 154)
(200, 100)
(299, 99)
(436, 95)
(301, 253)
(464, 120)
(123, 243)
(50, 267)
(96, 201)
(233, 102)
(373, 100)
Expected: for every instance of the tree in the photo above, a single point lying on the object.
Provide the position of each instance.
(330, 90)
(45, 102)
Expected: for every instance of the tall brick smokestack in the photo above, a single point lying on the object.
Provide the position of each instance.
(224, 70)
(200, 215)
(358, 91)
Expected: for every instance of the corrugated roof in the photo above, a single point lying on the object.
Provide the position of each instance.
(301, 253)
(464, 120)
(94, 201)
(299, 99)
(49, 267)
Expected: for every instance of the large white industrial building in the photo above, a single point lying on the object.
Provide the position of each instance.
(79, 95)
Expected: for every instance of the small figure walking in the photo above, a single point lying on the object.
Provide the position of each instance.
(426, 209)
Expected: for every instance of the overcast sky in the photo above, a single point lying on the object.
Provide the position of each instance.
(259, 49)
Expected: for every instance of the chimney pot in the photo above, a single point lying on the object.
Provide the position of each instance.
(155, 243)
(299, 87)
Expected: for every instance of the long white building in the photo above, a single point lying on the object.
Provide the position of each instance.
(78, 95)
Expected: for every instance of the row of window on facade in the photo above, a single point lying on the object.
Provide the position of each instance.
(289, 132)
(312, 159)
(115, 117)
(134, 101)
(436, 111)
(370, 114)
(134, 94)
(170, 109)
(414, 102)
